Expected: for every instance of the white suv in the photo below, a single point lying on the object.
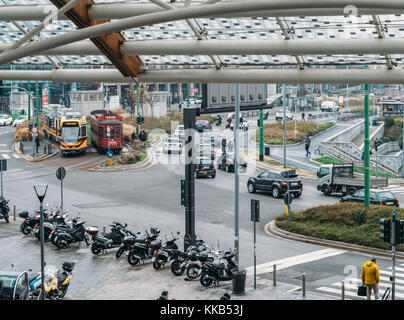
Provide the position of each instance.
(5, 120)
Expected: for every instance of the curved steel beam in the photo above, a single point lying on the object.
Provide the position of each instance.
(236, 47)
(112, 11)
(186, 13)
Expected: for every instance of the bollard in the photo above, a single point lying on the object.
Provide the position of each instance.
(304, 285)
(342, 290)
(274, 276)
(14, 211)
(103, 228)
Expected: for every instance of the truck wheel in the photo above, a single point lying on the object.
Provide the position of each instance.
(326, 190)
(351, 191)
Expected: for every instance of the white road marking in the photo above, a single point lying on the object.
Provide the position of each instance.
(295, 260)
(16, 156)
(5, 156)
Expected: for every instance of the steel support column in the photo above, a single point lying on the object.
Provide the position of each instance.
(189, 115)
(367, 150)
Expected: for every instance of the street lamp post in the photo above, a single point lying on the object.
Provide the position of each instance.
(40, 191)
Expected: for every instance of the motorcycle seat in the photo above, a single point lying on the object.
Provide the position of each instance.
(141, 238)
(217, 265)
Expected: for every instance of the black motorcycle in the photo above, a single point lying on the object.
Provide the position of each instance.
(182, 259)
(142, 250)
(76, 234)
(213, 272)
(165, 254)
(103, 241)
(52, 222)
(218, 120)
(4, 209)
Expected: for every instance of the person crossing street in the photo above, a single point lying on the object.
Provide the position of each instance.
(370, 277)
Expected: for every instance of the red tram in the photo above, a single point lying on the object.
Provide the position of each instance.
(106, 131)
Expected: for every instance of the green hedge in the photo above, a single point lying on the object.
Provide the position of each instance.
(345, 222)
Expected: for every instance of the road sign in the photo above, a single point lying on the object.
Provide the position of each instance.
(61, 173)
(34, 130)
(110, 154)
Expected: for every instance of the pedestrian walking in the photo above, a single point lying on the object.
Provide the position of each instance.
(370, 277)
(179, 106)
(37, 143)
(224, 145)
(303, 116)
(230, 146)
(134, 136)
(307, 146)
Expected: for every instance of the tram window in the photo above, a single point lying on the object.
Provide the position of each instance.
(83, 131)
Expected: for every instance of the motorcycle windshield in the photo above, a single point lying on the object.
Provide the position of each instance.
(50, 272)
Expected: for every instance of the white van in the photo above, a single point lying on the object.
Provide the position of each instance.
(329, 106)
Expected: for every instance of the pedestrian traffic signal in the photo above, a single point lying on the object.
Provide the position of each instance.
(141, 120)
(399, 231)
(30, 127)
(385, 229)
(183, 192)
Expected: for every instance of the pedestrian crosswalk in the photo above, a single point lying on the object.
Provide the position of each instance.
(351, 285)
(399, 189)
(8, 156)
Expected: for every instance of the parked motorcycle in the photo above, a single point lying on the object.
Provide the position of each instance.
(165, 254)
(27, 226)
(56, 282)
(218, 120)
(76, 234)
(4, 209)
(142, 250)
(181, 259)
(103, 241)
(213, 272)
(53, 221)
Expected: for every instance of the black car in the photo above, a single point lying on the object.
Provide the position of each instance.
(201, 125)
(276, 183)
(380, 197)
(205, 166)
(226, 162)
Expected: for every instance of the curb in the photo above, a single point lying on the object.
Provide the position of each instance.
(146, 163)
(41, 158)
(272, 230)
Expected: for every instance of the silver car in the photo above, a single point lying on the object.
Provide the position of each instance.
(5, 120)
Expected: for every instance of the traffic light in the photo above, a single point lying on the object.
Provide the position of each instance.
(141, 120)
(385, 229)
(378, 142)
(30, 127)
(183, 192)
(399, 231)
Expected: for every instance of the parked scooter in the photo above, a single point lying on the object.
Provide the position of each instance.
(4, 209)
(142, 250)
(103, 241)
(165, 254)
(213, 272)
(181, 259)
(218, 120)
(76, 234)
(53, 221)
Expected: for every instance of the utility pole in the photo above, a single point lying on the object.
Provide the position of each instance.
(393, 252)
(236, 172)
(366, 149)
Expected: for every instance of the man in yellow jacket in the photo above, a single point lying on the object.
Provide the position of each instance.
(370, 277)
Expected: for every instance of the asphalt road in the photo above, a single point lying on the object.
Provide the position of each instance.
(151, 197)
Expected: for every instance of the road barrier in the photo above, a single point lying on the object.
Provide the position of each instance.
(274, 275)
(304, 285)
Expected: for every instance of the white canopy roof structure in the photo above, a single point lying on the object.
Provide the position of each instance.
(216, 35)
